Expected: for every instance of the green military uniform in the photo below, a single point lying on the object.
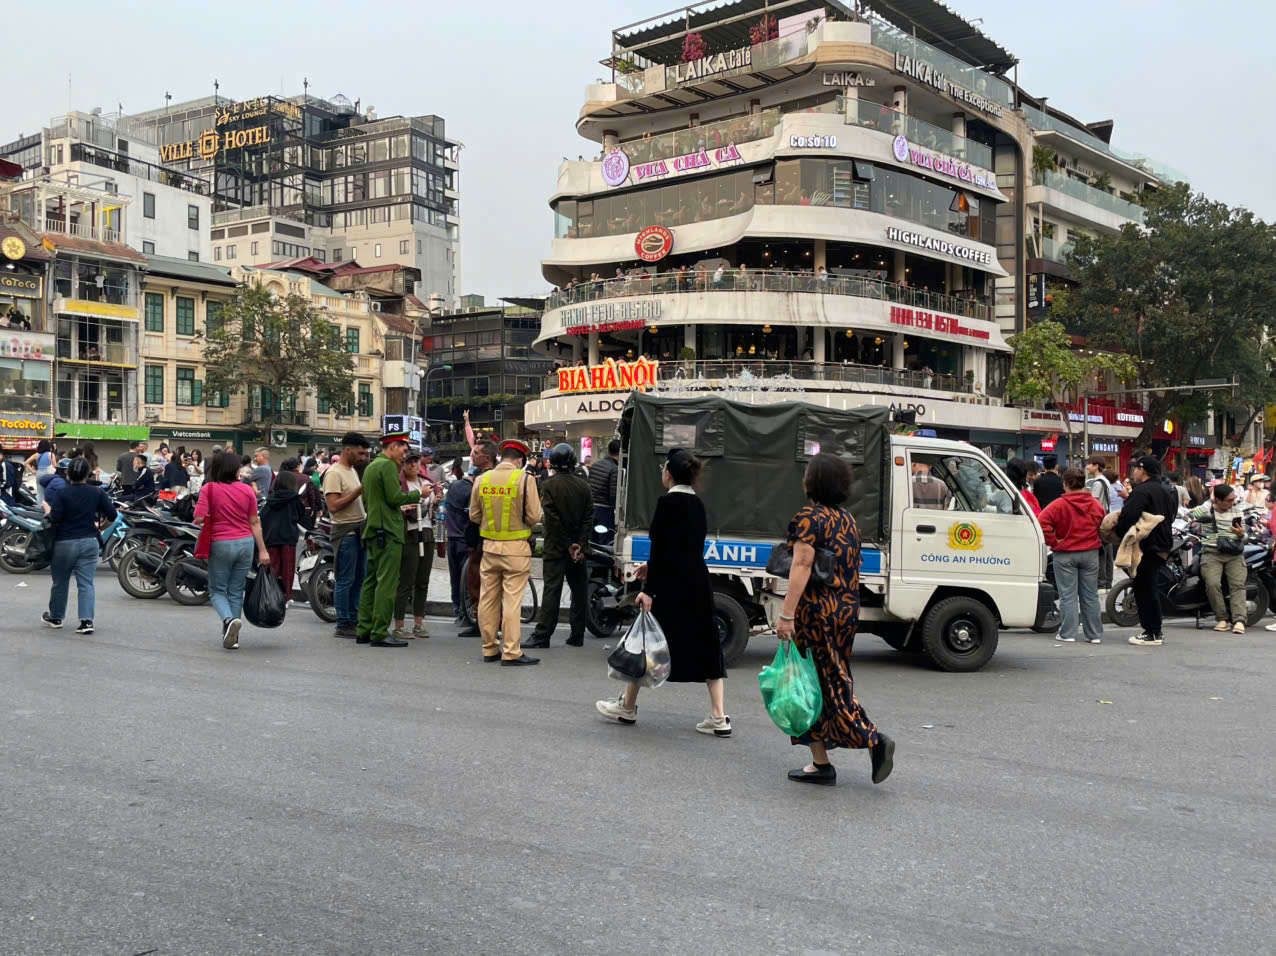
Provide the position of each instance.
(569, 514)
(383, 538)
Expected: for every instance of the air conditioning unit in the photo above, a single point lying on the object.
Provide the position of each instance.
(375, 306)
(278, 438)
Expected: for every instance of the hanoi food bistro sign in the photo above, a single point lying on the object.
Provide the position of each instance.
(609, 316)
(935, 322)
(611, 376)
(212, 142)
(905, 152)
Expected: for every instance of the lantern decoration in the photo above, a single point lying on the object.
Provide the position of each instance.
(753, 350)
(850, 334)
(766, 328)
(877, 341)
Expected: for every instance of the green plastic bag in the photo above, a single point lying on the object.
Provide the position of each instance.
(791, 690)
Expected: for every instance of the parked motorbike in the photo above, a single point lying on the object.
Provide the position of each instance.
(609, 608)
(1182, 590)
(144, 570)
(19, 524)
(316, 575)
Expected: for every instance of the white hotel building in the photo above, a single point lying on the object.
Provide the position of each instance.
(847, 202)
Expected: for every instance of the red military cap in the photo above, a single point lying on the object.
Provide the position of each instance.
(516, 445)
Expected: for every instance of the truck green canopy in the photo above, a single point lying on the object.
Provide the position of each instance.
(754, 458)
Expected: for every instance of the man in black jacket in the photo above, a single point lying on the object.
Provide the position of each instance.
(1153, 497)
(569, 513)
(1049, 486)
(602, 486)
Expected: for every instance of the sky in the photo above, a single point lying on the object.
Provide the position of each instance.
(1180, 80)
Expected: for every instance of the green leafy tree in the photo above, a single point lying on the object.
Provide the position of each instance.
(1187, 296)
(1048, 369)
(283, 344)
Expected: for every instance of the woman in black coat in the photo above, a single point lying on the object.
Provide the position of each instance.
(676, 591)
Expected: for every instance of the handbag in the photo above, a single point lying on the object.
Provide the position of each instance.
(780, 564)
(1228, 544)
(204, 546)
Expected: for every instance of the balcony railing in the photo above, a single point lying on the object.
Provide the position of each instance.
(92, 292)
(1041, 120)
(108, 159)
(82, 230)
(1053, 250)
(778, 375)
(750, 280)
(874, 116)
(263, 416)
(73, 349)
(681, 142)
(1086, 193)
(887, 36)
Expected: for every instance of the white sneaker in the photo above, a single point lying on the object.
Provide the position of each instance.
(1146, 640)
(1065, 640)
(1094, 640)
(718, 726)
(1238, 627)
(1222, 626)
(1270, 627)
(616, 710)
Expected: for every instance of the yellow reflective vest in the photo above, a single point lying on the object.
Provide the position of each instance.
(499, 499)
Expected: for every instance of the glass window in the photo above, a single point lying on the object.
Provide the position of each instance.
(192, 217)
(970, 485)
(376, 251)
(154, 385)
(185, 315)
(214, 321)
(154, 312)
(148, 205)
(232, 252)
(217, 253)
(148, 248)
(365, 400)
(188, 390)
(352, 340)
(193, 256)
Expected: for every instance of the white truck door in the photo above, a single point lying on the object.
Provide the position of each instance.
(963, 525)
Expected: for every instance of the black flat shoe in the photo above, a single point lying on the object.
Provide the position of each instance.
(537, 642)
(523, 661)
(491, 660)
(363, 640)
(389, 642)
(883, 757)
(824, 775)
(573, 642)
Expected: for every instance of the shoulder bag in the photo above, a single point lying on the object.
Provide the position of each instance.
(1228, 543)
(204, 546)
(780, 564)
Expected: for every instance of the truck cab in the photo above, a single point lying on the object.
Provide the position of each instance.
(950, 552)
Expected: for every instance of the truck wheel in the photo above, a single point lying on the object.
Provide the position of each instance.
(959, 634)
(732, 624)
(1122, 611)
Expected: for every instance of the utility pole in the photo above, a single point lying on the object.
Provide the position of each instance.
(1205, 385)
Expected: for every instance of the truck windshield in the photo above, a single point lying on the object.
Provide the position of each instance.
(948, 482)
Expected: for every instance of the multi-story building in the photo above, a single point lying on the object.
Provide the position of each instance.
(481, 361)
(805, 204)
(26, 344)
(302, 176)
(140, 203)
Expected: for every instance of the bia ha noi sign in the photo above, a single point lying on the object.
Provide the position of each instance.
(611, 376)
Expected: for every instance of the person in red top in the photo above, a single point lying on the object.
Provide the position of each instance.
(1017, 472)
(1071, 525)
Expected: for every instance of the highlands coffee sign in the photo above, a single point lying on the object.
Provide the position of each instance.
(212, 142)
(611, 376)
(924, 72)
(943, 246)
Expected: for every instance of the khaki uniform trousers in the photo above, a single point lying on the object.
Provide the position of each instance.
(502, 581)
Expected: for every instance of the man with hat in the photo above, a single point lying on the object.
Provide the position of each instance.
(383, 497)
(1150, 496)
(505, 505)
(569, 514)
(1256, 497)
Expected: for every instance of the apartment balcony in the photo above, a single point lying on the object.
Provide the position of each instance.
(123, 163)
(265, 416)
(91, 345)
(1081, 202)
(80, 230)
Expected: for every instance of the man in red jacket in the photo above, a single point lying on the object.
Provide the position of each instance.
(1071, 525)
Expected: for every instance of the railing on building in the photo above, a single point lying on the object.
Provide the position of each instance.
(264, 416)
(779, 374)
(883, 118)
(108, 292)
(736, 130)
(763, 56)
(1040, 120)
(751, 280)
(121, 163)
(1053, 250)
(74, 349)
(295, 212)
(887, 36)
(1065, 184)
(81, 230)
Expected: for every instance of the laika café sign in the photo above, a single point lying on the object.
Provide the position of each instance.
(211, 143)
(715, 63)
(609, 316)
(905, 152)
(611, 376)
(930, 244)
(700, 159)
(924, 72)
(934, 322)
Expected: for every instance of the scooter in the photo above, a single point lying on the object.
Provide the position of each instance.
(144, 570)
(1181, 588)
(19, 524)
(316, 575)
(609, 606)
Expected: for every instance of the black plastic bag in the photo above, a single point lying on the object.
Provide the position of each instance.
(264, 602)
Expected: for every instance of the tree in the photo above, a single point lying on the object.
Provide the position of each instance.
(1187, 296)
(282, 345)
(1046, 367)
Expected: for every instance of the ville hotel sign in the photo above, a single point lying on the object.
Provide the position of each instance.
(211, 142)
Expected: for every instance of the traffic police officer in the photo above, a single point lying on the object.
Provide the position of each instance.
(505, 505)
(383, 497)
(569, 513)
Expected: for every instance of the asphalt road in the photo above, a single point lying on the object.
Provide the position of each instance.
(303, 795)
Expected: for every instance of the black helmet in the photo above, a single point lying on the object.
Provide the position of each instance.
(562, 457)
(77, 470)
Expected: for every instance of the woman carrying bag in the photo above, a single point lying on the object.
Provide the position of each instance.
(822, 619)
(676, 591)
(227, 510)
(282, 517)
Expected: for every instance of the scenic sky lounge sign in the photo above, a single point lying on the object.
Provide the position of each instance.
(905, 152)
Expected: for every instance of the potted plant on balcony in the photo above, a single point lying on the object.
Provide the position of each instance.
(688, 358)
(1102, 181)
(765, 29)
(693, 47)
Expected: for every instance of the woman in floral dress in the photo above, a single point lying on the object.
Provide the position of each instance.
(822, 618)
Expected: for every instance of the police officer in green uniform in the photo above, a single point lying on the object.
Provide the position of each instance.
(383, 537)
